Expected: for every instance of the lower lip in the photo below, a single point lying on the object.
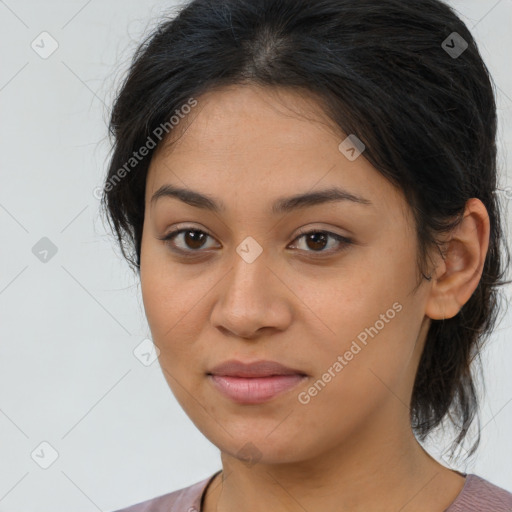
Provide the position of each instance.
(254, 390)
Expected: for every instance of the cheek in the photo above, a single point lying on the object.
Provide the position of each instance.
(365, 367)
(175, 328)
(168, 301)
(170, 311)
(373, 320)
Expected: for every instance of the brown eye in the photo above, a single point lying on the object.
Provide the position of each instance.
(316, 241)
(192, 240)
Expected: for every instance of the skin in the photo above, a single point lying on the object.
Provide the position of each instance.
(351, 448)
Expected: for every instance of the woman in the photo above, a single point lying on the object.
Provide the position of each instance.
(308, 193)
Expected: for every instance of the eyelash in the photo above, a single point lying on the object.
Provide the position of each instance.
(343, 241)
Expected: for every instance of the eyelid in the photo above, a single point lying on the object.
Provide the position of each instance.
(314, 229)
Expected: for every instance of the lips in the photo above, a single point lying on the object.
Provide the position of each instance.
(254, 383)
(234, 368)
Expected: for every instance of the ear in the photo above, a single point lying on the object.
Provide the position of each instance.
(458, 272)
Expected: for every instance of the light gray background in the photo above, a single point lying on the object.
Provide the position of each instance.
(68, 327)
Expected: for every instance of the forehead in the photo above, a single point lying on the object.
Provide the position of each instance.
(250, 115)
(247, 141)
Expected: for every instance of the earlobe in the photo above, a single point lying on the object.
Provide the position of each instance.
(458, 272)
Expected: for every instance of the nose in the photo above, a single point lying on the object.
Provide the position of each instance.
(252, 300)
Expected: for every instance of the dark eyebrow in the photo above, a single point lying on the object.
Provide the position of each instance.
(282, 205)
(329, 195)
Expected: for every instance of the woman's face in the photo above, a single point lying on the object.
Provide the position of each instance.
(244, 283)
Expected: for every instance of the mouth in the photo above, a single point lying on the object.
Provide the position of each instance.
(254, 383)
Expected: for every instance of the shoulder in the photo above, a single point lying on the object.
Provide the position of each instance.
(480, 495)
(187, 499)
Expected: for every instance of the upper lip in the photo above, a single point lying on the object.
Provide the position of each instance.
(234, 368)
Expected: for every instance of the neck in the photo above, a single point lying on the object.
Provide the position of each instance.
(370, 471)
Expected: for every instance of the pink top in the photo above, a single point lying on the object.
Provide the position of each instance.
(477, 495)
